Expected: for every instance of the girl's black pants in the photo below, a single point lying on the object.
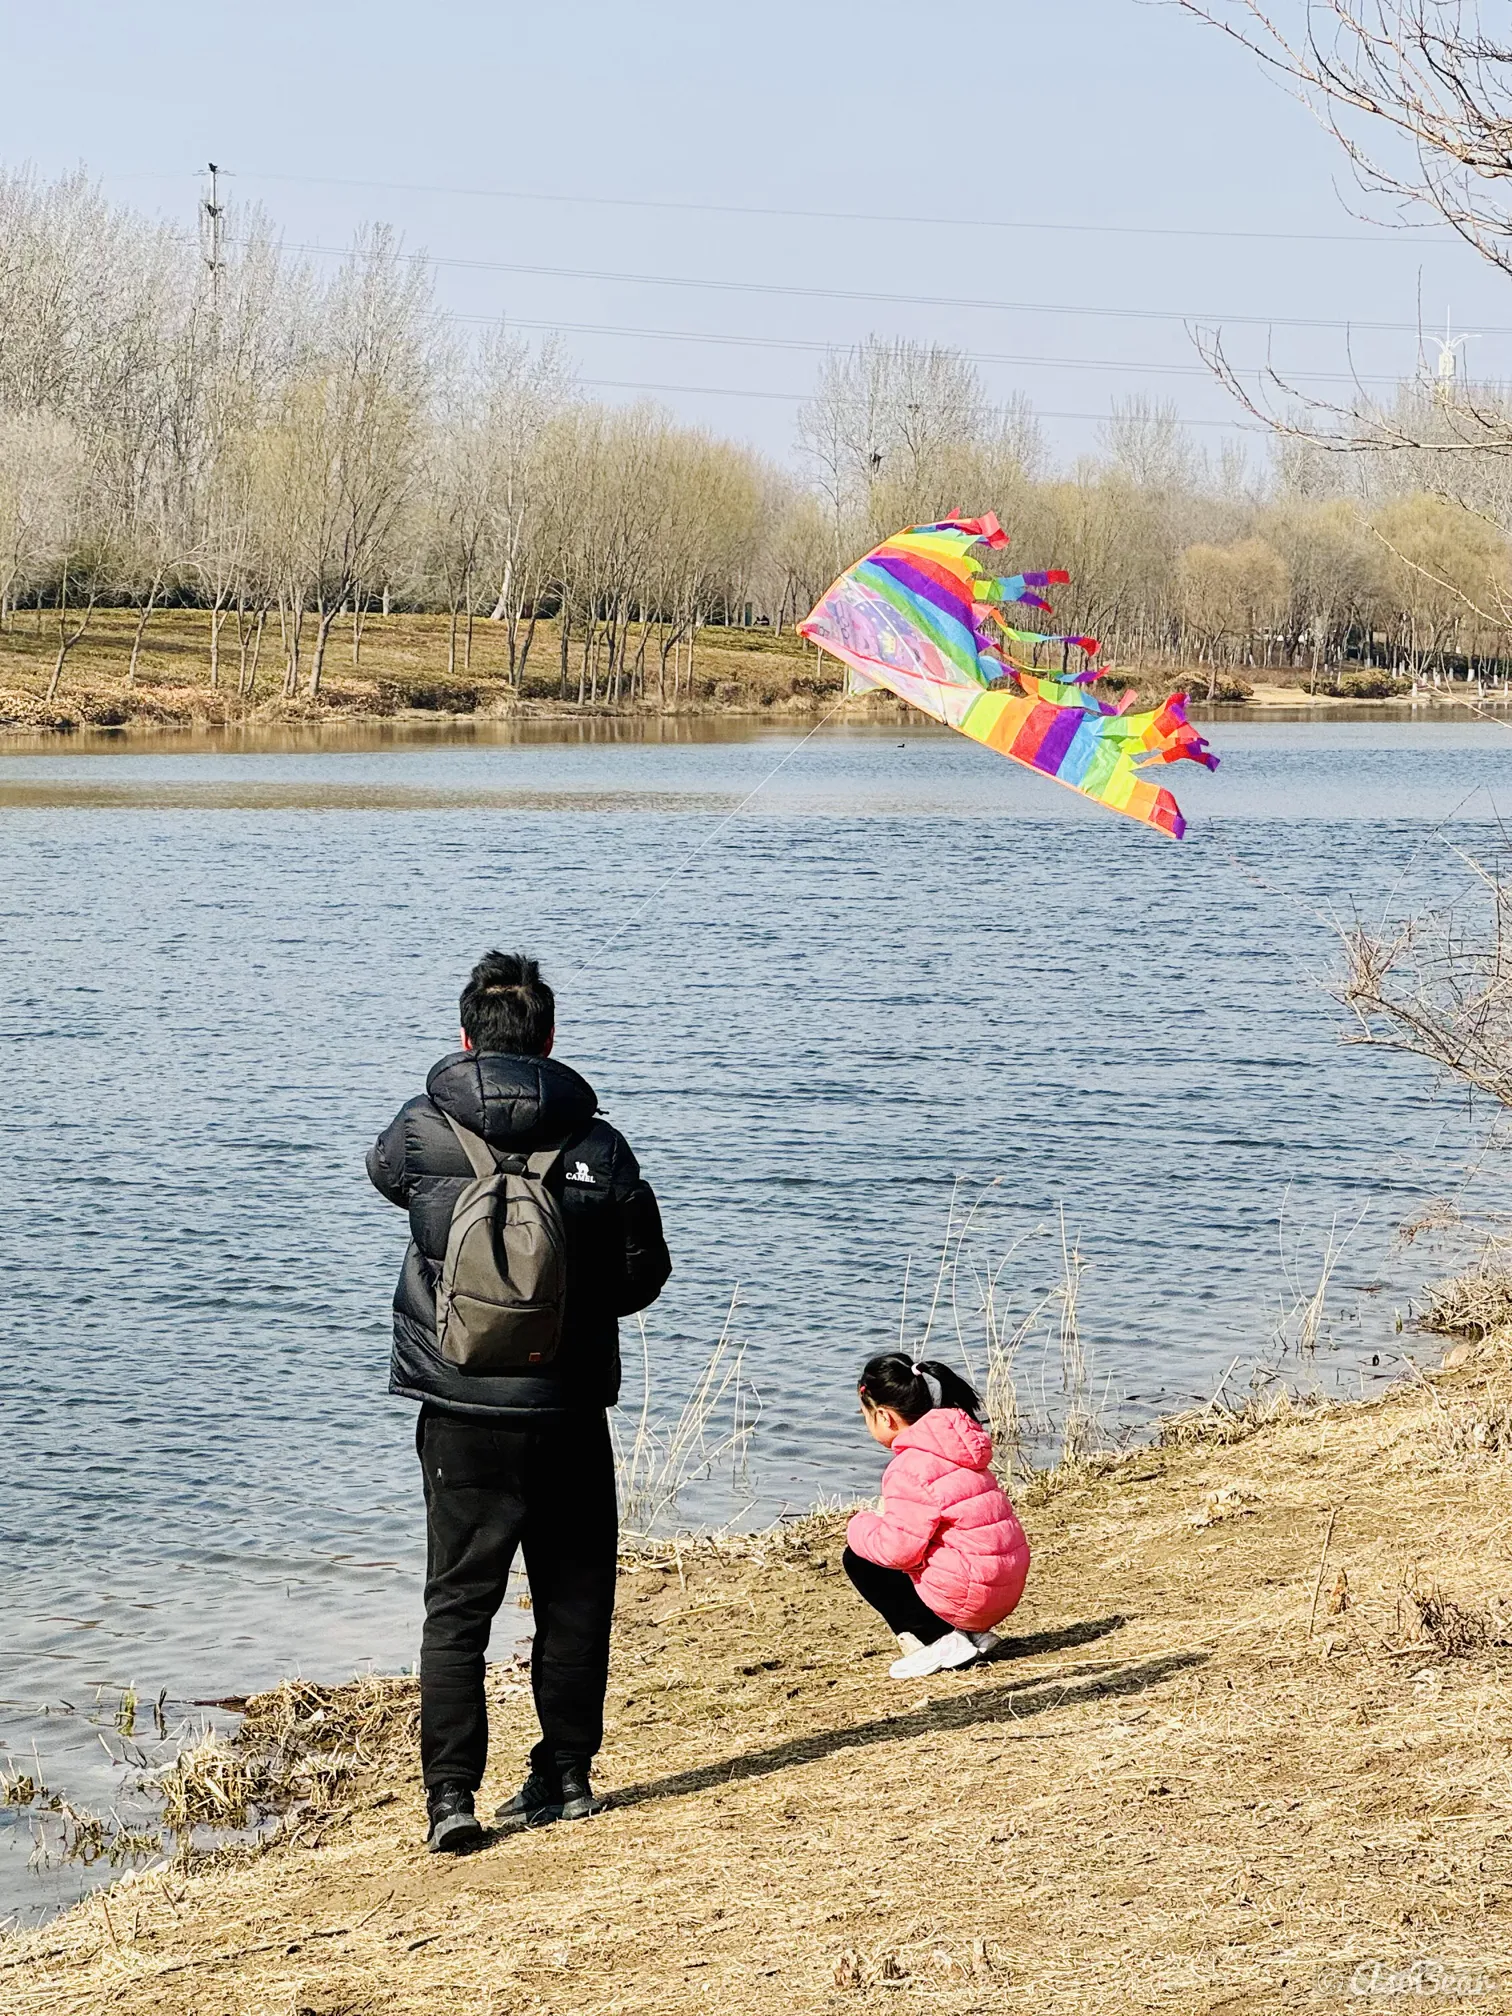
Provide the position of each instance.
(891, 1593)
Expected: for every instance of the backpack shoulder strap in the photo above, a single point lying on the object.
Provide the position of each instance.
(542, 1162)
(474, 1147)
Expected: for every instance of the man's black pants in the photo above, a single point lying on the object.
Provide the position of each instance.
(490, 1488)
(892, 1593)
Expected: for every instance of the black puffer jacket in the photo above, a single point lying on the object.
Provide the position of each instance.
(617, 1260)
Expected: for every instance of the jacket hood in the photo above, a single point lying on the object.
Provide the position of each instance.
(948, 1433)
(520, 1103)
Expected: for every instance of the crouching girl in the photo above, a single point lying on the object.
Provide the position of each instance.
(945, 1559)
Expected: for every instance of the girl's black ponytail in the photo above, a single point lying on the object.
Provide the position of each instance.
(911, 1388)
(954, 1390)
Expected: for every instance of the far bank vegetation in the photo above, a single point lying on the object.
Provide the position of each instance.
(276, 484)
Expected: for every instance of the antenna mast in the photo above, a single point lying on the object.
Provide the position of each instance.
(212, 220)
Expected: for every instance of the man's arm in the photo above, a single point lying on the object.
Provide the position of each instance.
(648, 1264)
(388, 1161)
(639, 1261)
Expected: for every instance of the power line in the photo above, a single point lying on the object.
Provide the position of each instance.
(798, 398)
(817, 346)
(599, 274)
(820, 347)
(1386, 235)
(814, 346)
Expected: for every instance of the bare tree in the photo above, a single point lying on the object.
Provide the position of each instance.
(1425, 78)
(1144, 441)
(801, 556)
(884, 433)
(1233, 597)
(718, 520)
(1440, 985)
(232, 354)
(1334, 566)
(84, 564)
(218, 546)
(520, 391)
(1419, 96)
(1440, 564)
(150, 546)
(344, 459)
(281, 447)
(455, 516)
(40, 468)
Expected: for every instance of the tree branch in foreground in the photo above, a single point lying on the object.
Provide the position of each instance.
(1424, 70)
(1440, 988)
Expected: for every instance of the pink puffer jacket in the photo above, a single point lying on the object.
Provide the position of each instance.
(947, 1521)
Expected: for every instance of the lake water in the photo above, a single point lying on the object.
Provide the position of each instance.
(904, 963)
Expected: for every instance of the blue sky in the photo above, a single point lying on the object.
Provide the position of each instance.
(1210, 192)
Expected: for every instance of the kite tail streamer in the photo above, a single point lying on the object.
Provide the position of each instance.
(1175, 737)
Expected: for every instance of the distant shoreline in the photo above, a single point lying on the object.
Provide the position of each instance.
(178, 719)
(335, 730)
(410, 673)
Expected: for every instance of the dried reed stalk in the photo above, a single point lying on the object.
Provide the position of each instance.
(715, 1426)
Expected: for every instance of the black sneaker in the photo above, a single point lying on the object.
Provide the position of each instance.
(454, 1827)
(578, 1801)
(537, 1803)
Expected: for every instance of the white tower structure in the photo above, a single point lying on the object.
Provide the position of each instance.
(1450, 348)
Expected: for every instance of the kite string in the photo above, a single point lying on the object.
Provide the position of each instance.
(1209, 836)
(707, 841)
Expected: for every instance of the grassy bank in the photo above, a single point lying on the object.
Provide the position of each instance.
(1248, 1736)
(403, 666)
(403, 669)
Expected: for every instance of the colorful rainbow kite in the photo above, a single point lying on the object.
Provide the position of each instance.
(920, 616)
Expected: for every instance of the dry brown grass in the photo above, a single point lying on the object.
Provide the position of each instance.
(1222, 1423)
(299, 1749)
(1474, 1303)
(656, 1460)
(1457, 1630)
(1249, 1732)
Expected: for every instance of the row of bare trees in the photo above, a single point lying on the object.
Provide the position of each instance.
(290, 449)
(1173, 556)
(249, 438)
(285, 448)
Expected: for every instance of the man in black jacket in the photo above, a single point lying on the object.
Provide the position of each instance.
(523, 1459)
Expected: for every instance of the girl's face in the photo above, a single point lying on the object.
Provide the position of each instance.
(883, 1424)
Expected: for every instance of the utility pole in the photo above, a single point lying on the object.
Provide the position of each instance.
(212, 219)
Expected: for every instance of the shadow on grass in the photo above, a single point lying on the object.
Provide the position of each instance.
(1064, 1640)
(960, 1711)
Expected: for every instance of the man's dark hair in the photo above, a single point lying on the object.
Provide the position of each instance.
(506, 1005)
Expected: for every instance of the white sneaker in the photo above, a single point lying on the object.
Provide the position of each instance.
(910, 1643)
(954, 1649)
(986, 1642)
